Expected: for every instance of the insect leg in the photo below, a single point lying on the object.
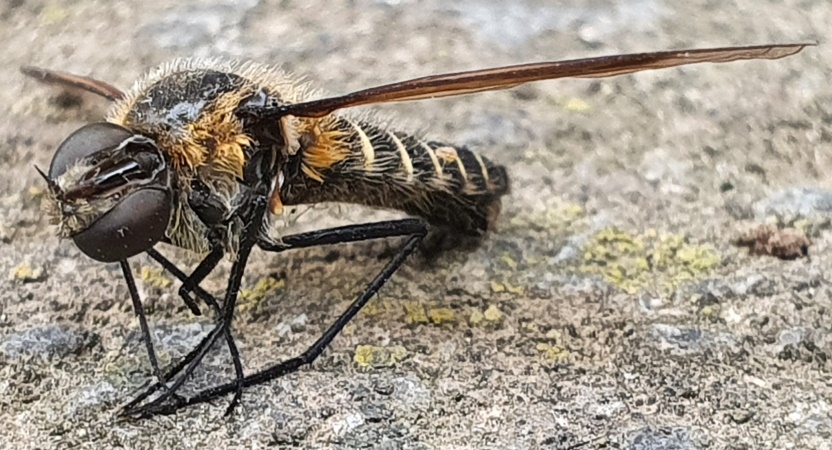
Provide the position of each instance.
(138, 308)
(415, 229)
(209, 299)
(339, 235)
(345, 234)
(192, 282)
(253, 219)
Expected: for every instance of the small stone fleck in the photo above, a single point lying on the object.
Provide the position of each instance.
(786, 243)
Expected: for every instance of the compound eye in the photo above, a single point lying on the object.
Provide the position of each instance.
(85, 141)
(133, 226)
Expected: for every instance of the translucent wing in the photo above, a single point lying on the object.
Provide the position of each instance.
(460, 83)
(506, 77)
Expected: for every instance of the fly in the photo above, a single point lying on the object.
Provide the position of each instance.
(201, 154)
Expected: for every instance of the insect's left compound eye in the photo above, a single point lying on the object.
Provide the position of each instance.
(115, 183)
(133, 226)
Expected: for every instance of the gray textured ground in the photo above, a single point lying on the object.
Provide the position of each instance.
(609, 309)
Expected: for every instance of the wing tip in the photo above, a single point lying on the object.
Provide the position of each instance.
(778, 51)
(32, 71)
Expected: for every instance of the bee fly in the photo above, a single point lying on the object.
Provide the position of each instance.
(201, 153)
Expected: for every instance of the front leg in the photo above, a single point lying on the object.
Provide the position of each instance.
(415, 229)
(311, 353)
(192, 359)
(192, 282)
(253, 219)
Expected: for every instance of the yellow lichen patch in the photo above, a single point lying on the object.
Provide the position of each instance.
(555, 217)
(530, 327)
(554, 335)
(250, 298)
(649, 261)
(370, 356)
(26, 273)
(554, 353)
(508, 260)
(53, 14)
(498, 287)
(113, 370)
(439, 316)
(414, 312)
(575, 105)
(804, 225)
(493, 314)
(154, 277)
(377, 307)
(476, 318)
(709, 311)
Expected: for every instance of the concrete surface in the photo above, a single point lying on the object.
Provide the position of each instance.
(610, 310)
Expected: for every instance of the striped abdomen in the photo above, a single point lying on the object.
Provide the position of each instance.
(449, 186)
